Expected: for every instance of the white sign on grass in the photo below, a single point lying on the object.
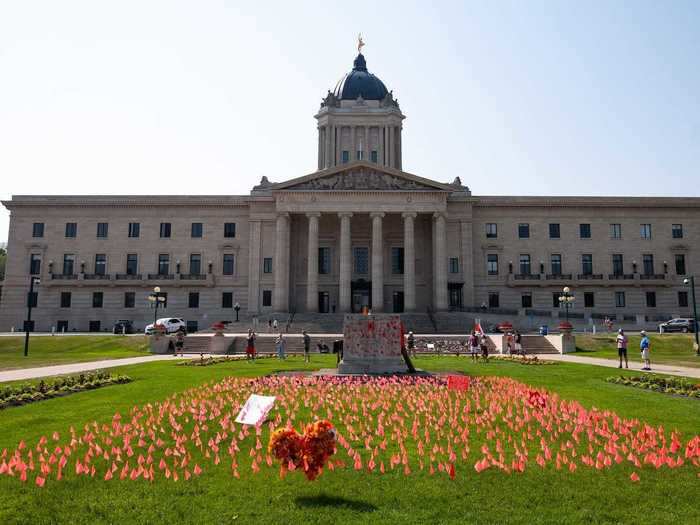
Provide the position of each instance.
(255, 409)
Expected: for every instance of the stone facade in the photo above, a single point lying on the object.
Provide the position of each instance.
(359, 232)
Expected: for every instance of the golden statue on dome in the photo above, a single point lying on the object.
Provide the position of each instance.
(360, 43)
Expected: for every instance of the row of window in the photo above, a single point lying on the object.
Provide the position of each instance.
(555, 264)
(359, 155)
(134, 230)
(589, 299)
(584, 231)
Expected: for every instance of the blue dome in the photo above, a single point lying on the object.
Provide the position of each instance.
(360, 82)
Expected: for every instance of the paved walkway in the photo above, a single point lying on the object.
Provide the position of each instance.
(74, 368)
(672, 370)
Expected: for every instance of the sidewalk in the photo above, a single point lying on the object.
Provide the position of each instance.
(672, 370)
(73, 368)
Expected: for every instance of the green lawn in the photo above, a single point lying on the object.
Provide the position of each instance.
(63, 349)
(676, 349)
(348, 496)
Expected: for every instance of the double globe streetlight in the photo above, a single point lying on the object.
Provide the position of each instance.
(690, 281)
(566, 299)
(156, 298)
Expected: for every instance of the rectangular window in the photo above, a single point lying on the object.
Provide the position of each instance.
(554, 231)
(587, 264)
(588, 299)
(454, 265)
(267, 265)
(524, 260)
(645, 231)
(71, 229)
(491, 230)
(618, 264)
(94, 326)
(38, 229)
(97, 299)
(374, 156)
(195, 264)
(555, 300)
(32, 299)
(677, 231)
(361, 259)
(165, 230)
(397, 260)
(651, 299)
(492, 264)
(526, 300)
(585, 231)
(324, 260)
(229, 229)
(680, 264)
(648, 262)
(100, 264)
(34, 264)
(683, 299)
(359, 154)
(267, 298)
(616, 231)
(65, 299)
(196, 230)
(524, 230)
(227, 300)
(102, 230)
(555, 261)
(193, 300)
(129, 299)
(620, 301)
(132, 264)
(68, 264)
(494, 300)
(345, 156)
(134, 229)
(228, 266)
(163, 264)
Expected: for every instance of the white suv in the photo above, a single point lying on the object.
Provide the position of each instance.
(171, 324)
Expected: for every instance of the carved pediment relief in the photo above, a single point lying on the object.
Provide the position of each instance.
(361, 179)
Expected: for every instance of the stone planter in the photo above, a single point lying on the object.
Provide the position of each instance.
(565, 327)
(160, 344)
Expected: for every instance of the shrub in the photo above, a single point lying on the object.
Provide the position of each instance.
(675, 386)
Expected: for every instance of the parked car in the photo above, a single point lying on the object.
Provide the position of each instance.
(680, 324)
(171, 324)
(123, 326)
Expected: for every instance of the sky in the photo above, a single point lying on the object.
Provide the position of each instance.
(515, 98)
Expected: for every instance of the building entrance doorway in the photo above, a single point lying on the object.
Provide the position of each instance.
(455, 295)
(397, 301)
(323, 302)
(361, 292)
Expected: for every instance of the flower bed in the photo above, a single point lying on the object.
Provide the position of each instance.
(60, 386)
(523, 360)
(674, 386)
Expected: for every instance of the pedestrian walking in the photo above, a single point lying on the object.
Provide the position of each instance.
(307, 347)
(474, 346)
(275, 326)
(411, 344)
(519, 343)
(180, 341)
(622, 347)
(645, 347)
(281, 346)
(484, 344)
(269, 325)
(250, 346)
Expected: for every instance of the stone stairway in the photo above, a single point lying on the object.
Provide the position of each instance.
(196, 344)
(537, 344)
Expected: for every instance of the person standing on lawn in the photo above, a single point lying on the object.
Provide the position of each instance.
(307, 347)
(250, 346)
(281, 346)
(622, 347)
(483, 342)
(180, 341)
(474, 346)
(519, 343)
(645, 347)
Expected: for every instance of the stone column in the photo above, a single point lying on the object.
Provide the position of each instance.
(320, 147)
(338, 137)
(409, 262)
(390, 163)
(344, 292)
(440, 262)
(353, 146)
(380, 148)
(377, 262)
(365, 154)
(312, 264)
(280, 301)
(467, 266)
(254, 267)
(327, 159)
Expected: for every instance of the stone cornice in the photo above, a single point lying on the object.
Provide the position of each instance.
(125, 201)
(586, 202)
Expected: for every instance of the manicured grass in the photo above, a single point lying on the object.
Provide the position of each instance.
(669, 349)
(348, 496)
(63, 349)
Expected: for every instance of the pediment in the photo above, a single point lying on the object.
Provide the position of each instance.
(362, 176)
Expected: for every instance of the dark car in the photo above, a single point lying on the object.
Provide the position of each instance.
(680, 324)
(123, 326)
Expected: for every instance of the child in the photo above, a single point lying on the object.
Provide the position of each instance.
(645, 346)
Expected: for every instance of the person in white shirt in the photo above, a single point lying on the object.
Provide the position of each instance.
(622, 347)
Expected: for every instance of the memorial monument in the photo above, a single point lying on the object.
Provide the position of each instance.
(372, 345)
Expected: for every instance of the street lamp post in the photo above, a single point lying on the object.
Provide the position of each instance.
(565, 299)
(237, 308)
(157, 298)
(30, 300)
(691, 282)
